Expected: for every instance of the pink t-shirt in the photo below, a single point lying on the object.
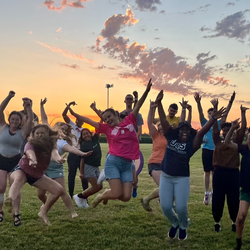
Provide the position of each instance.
(42, 163)
(122, 139)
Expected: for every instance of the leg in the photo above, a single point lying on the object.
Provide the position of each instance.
(242, 215)
(207, 181)
(3, 184)
(218, 195)
(55, 190)
(73, 164)
(93, 189)
(126, 191)
(66, 198)
(41, 195)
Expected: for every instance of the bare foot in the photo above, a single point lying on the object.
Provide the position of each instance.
(41, 207)
(97, 200)
(74, 215)
(44, 218)
(8, 204)
(145, 205)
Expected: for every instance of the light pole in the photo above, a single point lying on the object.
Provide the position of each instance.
(108, 86)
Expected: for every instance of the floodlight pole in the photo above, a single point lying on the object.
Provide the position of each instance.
(108, 86)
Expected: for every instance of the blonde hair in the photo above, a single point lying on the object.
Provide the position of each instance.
(67, 137)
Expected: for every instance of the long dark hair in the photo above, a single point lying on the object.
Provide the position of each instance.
(45, 144)
(81, 140)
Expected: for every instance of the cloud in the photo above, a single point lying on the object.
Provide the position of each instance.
(64, 3)
(66, 53)
(169, 71)
(73, 66)
(31, 32)
(233, 26)
(104, 67)
(199, 9)
(59, 29)
(147, 5)
(230, 4)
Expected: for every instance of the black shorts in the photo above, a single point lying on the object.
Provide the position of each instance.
(207, 160)
(30, 180)
(7, 164)
(153, 166)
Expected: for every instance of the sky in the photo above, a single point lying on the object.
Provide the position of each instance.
(70, 50)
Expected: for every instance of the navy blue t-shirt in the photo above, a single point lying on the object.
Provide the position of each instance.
(177, 154)
(245, 168)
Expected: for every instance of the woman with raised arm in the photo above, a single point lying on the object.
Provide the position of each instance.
(11, 139)
(55, 169)
(183, 142)
(123, 149)
(155, 159)
(41, 147)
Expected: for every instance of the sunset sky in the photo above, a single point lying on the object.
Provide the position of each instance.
(69, 50)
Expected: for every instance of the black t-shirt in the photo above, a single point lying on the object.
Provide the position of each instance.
(177, 154)
(245, 168)
(95, 158)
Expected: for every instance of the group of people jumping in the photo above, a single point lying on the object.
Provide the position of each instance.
(34, 152)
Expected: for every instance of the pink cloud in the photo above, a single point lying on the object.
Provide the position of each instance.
(73, 66)
(59, 29)
(64, 4)
(31, 32)
(66, 53)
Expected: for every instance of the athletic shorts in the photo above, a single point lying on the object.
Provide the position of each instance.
(31, 180)
(244, 196)
(153, 166)
(8, 163)
(118, 168)
(55, 170)
(207, 160)
(91, 171)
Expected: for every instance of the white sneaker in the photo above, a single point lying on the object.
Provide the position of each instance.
(85, 203)
(101, 178)
(79, 201)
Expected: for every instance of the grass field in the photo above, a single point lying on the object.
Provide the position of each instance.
(119, 226)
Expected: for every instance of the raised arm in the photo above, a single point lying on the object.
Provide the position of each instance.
(189, 108)
(3, 106)
(97, 111)
(164, 123)
(183, 111)
(27, 103)
(151, 115)
(242, 130)
(213, 120)
(65, 111)
(42, 110)
(234, 126)
(142, 99)
(84, 119)
(197, 98)
(230, 103)
(135, 94)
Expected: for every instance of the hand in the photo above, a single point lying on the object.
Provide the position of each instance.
(183, 103)
(197, 97)
(152, 105)
(215, 103)
(236, 123)
(218, 114)
(243, 109)
(62, 159)
(189, 107)
(87, 153)
(43, 101)
(93, 105)
(135, 94)
(81, 176)
(71, 103)
(27, 102)
(232, 97)
(149, 85)
(159, 96)
(32, 162)
(12, 93)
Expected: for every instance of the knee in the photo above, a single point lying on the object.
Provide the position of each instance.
(41, 194)
(125, 198)
(241, 219)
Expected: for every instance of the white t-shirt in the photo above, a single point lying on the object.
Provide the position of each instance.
(60, 144)
(77, 132)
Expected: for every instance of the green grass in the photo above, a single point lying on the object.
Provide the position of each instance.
(119, 225)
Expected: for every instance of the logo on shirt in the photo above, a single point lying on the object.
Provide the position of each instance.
(130, 127)
(177, 146)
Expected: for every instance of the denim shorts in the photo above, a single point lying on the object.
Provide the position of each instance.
(118, 168)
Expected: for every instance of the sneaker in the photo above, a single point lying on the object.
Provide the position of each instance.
(101, 178)
(182, 234)
(217, 227)
(134, 194)
(206, 199)
(233, 227)
(172, 232)
(80, 202)
(239, 244)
